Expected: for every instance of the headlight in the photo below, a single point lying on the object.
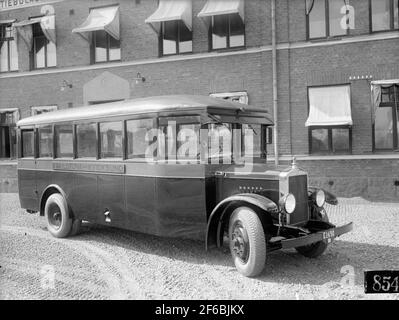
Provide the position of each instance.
(288, 202)
(320, 198)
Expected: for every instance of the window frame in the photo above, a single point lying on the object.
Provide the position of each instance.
(327, 25)
(32, 53)
(126, 140)
(329, 128)
(21, 151)
(99, 141)
(391, 17)
(107, 49)
(12, 133)
(263, 140)
(55, 141)
(52, 149)
(76, 140)
(8, 40)
(394, 105)
(228, 47)
(178, 144)
(330, 150)
(160, 40)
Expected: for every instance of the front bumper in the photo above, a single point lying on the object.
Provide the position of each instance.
(326, 234)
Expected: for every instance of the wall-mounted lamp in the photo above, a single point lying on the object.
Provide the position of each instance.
(65, 84)
(139, 78)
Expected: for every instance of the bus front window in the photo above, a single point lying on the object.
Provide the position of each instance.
(229, 142)
(220, 137)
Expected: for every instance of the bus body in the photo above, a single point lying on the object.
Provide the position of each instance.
(101, 164)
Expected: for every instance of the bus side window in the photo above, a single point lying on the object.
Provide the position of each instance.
(86, 139)
(111, 139)
(46, 142)
(140, 136)
(188, 143)
(64, 141)
(28, 143)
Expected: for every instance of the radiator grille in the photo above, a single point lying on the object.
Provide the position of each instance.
(298, 186)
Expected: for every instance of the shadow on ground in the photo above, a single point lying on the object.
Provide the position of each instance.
(280, 265)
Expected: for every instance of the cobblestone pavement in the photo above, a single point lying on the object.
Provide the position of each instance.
(106, 263)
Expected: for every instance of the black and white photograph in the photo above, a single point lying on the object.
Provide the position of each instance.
(199, 150)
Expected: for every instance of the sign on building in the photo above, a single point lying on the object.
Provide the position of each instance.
(6, 5)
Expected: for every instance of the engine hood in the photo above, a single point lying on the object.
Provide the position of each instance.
(259, 171)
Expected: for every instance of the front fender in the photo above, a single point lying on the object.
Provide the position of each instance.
(330, 198)
(214, 231)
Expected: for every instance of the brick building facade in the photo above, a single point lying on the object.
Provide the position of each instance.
(355, 157)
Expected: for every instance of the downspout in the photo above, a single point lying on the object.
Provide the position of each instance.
(275, 101)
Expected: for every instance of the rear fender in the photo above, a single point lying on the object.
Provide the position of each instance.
(53, 188)
(222, 212)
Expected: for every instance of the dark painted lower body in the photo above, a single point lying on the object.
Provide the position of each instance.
(162, 206)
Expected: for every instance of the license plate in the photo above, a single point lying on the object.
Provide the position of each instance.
(328, 235)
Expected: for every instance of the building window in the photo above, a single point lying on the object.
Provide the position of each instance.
(384, 15)
(175, 38)
(330, 140)
(8, 49)
(42, 109)
(330, 119)
(324, 18)
(241, 97)
(227, 31)
(8, 140)
(386, 124)
(105, 47)
(44, 53)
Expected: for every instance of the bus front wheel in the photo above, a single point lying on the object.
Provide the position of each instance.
(59, 222)
(247, 242)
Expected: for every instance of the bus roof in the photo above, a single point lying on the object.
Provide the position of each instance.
(169, 103)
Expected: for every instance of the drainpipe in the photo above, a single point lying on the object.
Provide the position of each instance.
(275, 101)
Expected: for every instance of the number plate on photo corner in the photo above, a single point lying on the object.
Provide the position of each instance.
(382, 281)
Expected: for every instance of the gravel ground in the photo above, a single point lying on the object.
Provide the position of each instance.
(106, 263)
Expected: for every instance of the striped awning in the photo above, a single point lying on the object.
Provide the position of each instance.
(171, 10)
(219, 7)
(106, 19)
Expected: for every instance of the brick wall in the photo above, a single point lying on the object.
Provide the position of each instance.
(322, 63)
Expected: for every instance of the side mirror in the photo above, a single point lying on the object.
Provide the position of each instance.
(269, 135)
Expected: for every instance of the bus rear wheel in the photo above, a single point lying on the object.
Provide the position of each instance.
(247, 242)
(56, 211)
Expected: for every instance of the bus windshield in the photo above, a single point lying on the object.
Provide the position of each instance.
(235, 142)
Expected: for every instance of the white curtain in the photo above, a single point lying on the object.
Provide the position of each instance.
(376, 92)
(329, 106)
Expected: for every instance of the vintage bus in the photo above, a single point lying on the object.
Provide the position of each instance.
(149, 165)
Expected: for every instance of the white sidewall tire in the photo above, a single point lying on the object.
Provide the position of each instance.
(257, 243)
(66, 222)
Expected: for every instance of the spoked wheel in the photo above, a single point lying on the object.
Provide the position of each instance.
(247, 242)
(56, 211)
